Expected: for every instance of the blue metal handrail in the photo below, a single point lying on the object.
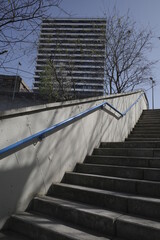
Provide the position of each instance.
(48, 131)
(128, 109)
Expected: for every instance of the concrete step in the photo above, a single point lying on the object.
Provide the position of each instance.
(137, 187)
(104, 221)
(130, 144)
(141, 152)
(153, 121)
(144, 131)
(79, 214)
(147, 125)
(124, 161)
(144, 135)
(145, 138)
(141, 173)
(122, 202)
(38, 227)
(149, 118)
(10, 235)
(134, 139)
(134, 228)
(151, 112)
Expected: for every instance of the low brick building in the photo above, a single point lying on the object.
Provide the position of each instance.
(12, 83)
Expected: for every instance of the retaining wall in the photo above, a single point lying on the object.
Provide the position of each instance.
(33, 169)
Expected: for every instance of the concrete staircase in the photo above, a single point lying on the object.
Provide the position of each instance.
(114, 194)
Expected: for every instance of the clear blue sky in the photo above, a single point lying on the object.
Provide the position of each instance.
(143, 12)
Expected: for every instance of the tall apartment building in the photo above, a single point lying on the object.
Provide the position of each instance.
(76, 47)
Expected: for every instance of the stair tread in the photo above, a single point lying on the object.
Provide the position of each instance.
(8, 235)
(128, 148)
(113, 183)
(129, 151)
(140, 172)
(114, 178)
(113, 193)
(143, 131)
(54, 225)
(122, 142)
(140, 139)
(80, 206)
(125, 143)
(101, 211)
(121, 166)
(126, 157)
(144, 134)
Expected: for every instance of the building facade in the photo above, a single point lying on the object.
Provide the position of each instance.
(76, 50)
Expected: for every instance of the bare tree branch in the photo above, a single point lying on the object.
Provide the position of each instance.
(20, 23)
(126, 64)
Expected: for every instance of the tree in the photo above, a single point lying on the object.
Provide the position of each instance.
(54, 82)
(126, 63)
(57, 81)
(19, 21)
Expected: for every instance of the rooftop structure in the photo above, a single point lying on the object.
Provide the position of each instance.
(10, 83)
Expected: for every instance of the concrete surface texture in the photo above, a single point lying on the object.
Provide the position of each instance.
(32, 170)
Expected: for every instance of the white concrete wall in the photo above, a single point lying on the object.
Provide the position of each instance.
(32, 170)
